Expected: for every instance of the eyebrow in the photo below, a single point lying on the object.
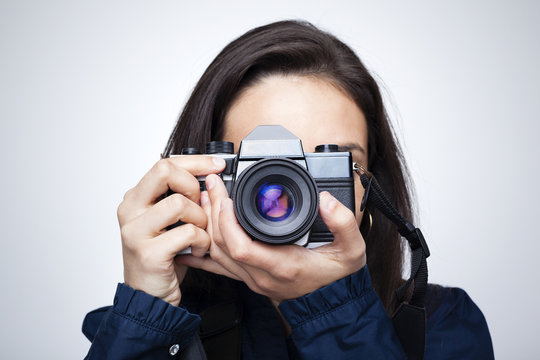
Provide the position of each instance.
(352, 146)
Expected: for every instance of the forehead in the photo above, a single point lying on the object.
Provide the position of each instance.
(312, 108)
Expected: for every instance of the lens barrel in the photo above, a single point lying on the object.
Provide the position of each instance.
(276, 200)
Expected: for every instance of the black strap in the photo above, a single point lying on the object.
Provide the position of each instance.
(221, 330)
(409, 319)
(194, 351)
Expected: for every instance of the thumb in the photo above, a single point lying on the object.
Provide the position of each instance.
(340, 220)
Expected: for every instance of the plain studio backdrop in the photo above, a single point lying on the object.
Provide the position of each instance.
(89, 92)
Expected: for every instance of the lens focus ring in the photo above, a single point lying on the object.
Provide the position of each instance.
(276, 201)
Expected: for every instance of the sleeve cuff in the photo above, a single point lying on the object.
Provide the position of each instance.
(155, 314)
(327, 298)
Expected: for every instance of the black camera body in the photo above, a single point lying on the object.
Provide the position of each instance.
(275, 186)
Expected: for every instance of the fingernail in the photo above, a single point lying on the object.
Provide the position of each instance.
(204, 198)
(210, 182)
(328, 201)
(219, 162)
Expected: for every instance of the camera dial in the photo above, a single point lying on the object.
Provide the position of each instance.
(220, 147)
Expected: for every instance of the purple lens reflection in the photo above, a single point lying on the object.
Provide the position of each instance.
(274, 202)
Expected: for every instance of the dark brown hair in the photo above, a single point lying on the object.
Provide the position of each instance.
(299, 48)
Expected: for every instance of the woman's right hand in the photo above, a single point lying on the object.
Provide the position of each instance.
(149, 250)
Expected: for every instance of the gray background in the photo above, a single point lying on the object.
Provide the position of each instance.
(89, 92)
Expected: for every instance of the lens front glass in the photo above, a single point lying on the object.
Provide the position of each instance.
(274, 201)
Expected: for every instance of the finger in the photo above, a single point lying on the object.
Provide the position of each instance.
(216, 193)
(207, 208)
(341, 221)
(168, 211)
(225, 262)
(205, 263)
(238, 270)
(176, 173)
(221, 257)
(171, 242)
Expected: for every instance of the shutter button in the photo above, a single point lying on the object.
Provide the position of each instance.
(174, 349)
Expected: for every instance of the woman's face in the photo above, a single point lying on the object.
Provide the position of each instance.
(311, 108)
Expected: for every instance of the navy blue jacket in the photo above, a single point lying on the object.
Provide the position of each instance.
(344, 320)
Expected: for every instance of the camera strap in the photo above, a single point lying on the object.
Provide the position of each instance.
(409, 318)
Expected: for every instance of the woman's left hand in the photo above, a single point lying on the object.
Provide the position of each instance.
(279, 272)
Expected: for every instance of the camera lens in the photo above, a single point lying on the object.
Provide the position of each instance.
(275, 202)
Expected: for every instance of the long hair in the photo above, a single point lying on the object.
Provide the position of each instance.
(299, 48)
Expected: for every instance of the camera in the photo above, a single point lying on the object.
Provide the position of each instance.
(275, 186)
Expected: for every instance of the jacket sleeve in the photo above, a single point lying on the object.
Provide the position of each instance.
(344, 320)
(456, 328)
(138, 326)
(347, 320)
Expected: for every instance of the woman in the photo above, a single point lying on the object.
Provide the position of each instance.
(259, 301)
